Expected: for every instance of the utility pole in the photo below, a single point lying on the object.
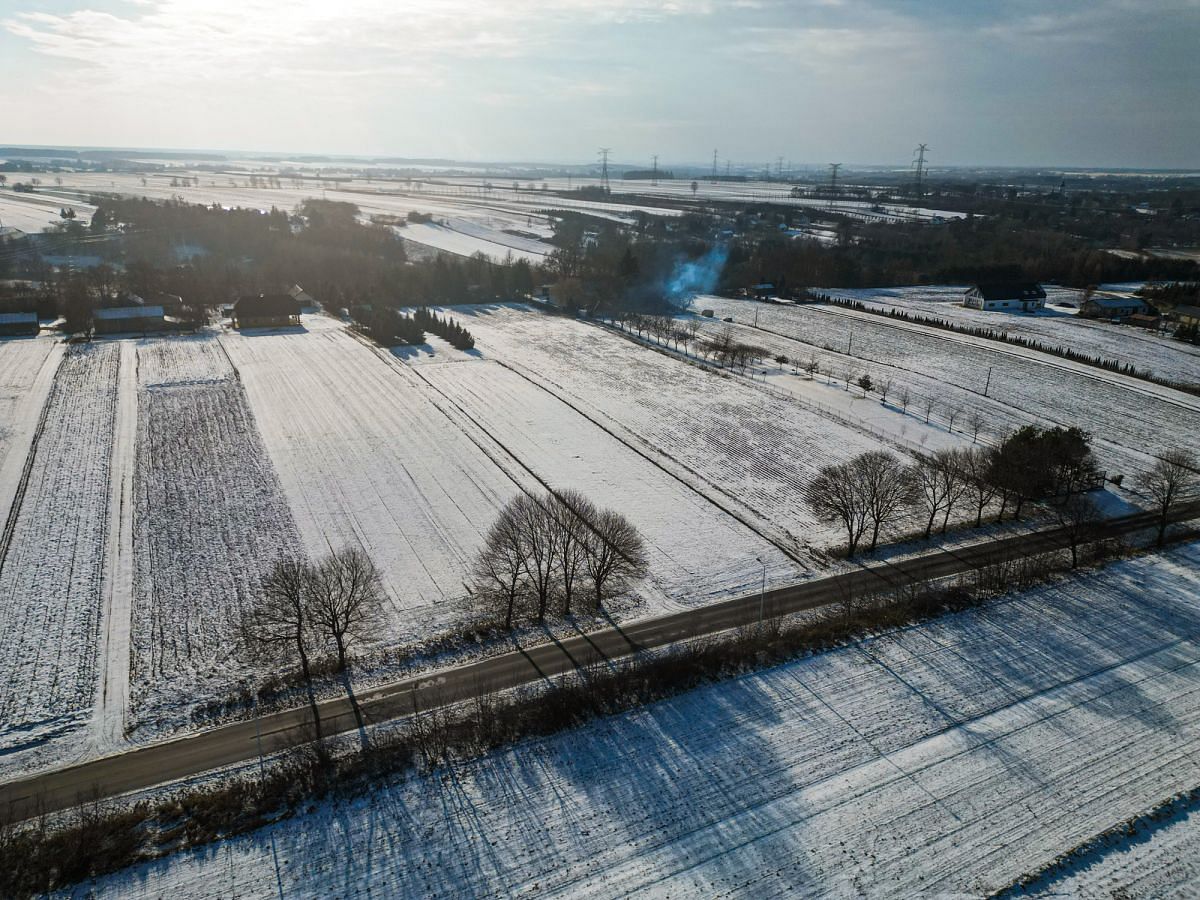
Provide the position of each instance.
(988, 384)
(728, 168)
(654, 167)
(714, 171)
(919, 166)
(850, 343)
(779, 168)
(833, 173)
(604, 186)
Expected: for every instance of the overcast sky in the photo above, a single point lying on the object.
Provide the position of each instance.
(1068, 82)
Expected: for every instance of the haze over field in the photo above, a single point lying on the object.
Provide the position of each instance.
(1107, 83)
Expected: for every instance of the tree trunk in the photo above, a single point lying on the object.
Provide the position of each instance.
(312, 696)
(875, 536)
(929, 524)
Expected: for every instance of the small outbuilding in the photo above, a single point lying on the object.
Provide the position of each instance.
(121, 319)
(266, 311)
(1112, 307)
(1006, 296)
(17, 324)
(1188, 316)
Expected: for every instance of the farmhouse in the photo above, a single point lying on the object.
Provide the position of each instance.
(128, 318)
(266, 311)
(18, 323)
(1007, 296)
(1112, 307)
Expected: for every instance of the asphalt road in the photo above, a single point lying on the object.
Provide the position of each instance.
(241, 742)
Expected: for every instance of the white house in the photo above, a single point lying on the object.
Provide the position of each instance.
(1008, 296)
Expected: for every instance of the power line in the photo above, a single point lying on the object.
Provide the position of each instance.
(654, 170)
(714, 171)
(833, 173)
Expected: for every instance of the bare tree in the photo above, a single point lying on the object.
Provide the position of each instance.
(929, 404)
(499, 574)
(952, 413)
(813, 366)
(1080, 519)
(279, 623)
(1172, 478)
(977, 466)
(905, 397)
(884, 390)
(835, 495)
(975, 422)
(571, 512)
(937, 485)
(540, 536)
(886, 488)
(955, 479)
(347, 599)
(616, 554)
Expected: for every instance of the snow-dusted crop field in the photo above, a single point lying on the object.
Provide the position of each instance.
(1158, 354)
(21, 360)
(948, 758)
(1131, 419)
(696, 550)
(51, 572)
(366, 457)
(742, 447)
(210, 518)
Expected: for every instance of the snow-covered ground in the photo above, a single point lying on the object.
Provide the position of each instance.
(32, 212)
(1130, 419)
(21, 361)
(696, 551)
(455, 238)
(211, 517)
(50, 580)
(1160, 860)
(947, 758)
(365, 457)
(1055, 326)
(743, 448)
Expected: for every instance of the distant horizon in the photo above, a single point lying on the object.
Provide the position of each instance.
(750, 167)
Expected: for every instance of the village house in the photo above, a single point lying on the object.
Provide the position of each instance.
(266, 311)
(1007, 296)
(124, 319)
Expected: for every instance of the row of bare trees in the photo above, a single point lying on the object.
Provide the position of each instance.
(553, 553)
(874, 490)
(307, 610)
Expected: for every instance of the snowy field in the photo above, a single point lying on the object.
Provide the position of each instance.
(210, 518)
(1161, 860)
(739, 446)
(948, 758)
(50, 578)
(1056, 327)
(479, 220)
(1131, 419)
(33, 212)
(21, 361)
(365, 457)
(696, 551)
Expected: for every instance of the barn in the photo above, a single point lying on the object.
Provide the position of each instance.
(266, 311)
(13, 324)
